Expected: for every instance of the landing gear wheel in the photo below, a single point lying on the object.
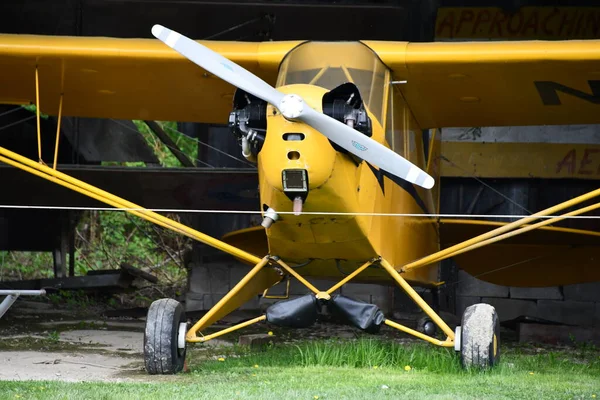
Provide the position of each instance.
(164, 349)
(480, 337)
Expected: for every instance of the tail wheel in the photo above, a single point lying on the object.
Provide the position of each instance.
(480, 337)
(164, 337)
(427, 326)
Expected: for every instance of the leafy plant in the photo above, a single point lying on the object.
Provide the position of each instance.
(54, 336)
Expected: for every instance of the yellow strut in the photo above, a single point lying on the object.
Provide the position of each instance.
(314, 80)
(265, 294)
(115, 201)
(523, 230)
(446, 343)
(297, 276)
(352, 275)
(37, 113)
(191, 334)
(515, 224)
(417, 299)
(244, 324)
(60, 104)
(80, 190)
(55, 176)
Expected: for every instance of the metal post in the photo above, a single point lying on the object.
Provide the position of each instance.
(7, 302)
(8, 292)
(12, 295)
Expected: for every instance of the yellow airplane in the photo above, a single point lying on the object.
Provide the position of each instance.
(346, 170)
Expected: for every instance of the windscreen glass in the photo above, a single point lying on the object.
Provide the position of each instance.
(329, 65)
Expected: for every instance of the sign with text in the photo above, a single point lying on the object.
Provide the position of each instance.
(525, 23)
(520, 160)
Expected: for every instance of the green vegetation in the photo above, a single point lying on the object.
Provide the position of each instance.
(105, 239)
(166, 158)
(32, 108)
(332, 369)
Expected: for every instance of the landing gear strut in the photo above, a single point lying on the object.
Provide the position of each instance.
(166, 336)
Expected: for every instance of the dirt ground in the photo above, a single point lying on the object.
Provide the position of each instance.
(42, 341)
(39, 341)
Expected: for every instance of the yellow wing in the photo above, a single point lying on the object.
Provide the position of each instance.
(497, 83)
(125, 78)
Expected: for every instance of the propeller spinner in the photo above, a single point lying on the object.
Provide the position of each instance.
(293, 107)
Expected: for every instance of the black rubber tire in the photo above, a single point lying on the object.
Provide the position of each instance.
(421, 326)
(161, 353)
(480, 337)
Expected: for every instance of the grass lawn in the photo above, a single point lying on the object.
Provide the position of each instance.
(363, 369)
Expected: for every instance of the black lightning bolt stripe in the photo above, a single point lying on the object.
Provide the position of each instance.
(407, 186)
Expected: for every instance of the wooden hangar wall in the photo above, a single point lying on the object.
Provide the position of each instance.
(531, 168)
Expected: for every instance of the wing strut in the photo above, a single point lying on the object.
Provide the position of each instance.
(501, 232)
(37, 113)
(43, 171)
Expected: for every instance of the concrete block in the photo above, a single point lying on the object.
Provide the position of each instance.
(364, 289)
(256, 341)
(509, 309)
(470, 286)
(252, 304)
(578, 313)
(583, 292)
(403, 303)
(298, 288)
(209, 278)
(198, 279)
(383, 302)
(194, 302)
(210, 299)
(546, 293)
(237, 272)
(557, 334)
(218, 275)
(462, 302)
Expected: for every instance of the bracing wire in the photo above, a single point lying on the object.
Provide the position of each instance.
(212, 147)
(485, 184)
(195, 140)
(321, 213)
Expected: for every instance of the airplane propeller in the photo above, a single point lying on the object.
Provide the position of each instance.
(293, 107)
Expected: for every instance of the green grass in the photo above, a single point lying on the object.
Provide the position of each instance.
(361, 369)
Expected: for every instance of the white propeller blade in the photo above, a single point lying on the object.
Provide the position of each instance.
(292, 107)
(218, 65)
(366, 148)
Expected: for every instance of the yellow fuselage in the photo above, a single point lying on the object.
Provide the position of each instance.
(338, 183)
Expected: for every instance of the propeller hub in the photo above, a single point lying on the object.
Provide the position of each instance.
(291, 106)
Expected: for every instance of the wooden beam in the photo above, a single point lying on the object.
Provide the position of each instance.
(166, 139)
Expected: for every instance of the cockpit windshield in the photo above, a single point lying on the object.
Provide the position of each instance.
(329, 65)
